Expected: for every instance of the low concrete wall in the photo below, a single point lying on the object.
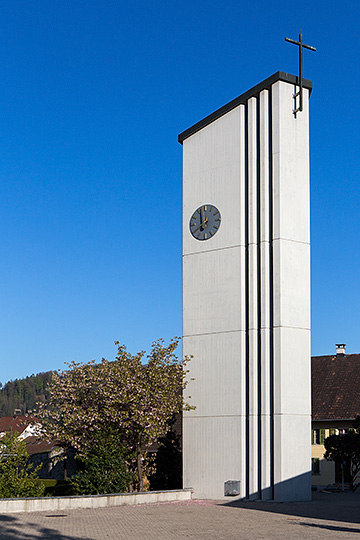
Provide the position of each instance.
(41, 504)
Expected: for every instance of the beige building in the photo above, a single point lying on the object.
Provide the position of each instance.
(335, 405)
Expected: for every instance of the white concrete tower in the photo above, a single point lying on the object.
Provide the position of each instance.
(246, 296)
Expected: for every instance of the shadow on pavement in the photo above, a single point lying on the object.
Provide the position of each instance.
(341, 507)
(330, 527)
(11, 528)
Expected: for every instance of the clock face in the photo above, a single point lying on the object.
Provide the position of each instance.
(205, 222)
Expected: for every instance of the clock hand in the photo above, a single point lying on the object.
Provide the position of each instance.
(202, 215)
(201, 225)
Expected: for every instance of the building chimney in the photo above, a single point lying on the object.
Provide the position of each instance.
(340, 349)
(17, 412)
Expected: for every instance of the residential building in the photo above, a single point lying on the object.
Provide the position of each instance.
(41, 451)
(25, 425)
(335, 405)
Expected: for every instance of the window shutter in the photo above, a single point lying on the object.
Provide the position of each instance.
(322, 436)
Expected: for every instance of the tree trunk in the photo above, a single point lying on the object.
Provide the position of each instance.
(65, 464)
(140, 472)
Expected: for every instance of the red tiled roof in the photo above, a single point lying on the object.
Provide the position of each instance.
(18, 423)
(335, 387)
(36, 446)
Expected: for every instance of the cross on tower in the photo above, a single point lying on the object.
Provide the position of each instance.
(300, 92)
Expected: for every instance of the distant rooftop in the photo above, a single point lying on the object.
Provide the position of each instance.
(16, 423)
(335, 387)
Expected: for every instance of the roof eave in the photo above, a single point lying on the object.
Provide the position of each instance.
(266, 84)
(348, 419)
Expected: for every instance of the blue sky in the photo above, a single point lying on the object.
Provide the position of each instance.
(93, 95)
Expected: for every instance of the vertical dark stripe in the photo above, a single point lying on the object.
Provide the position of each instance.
(271, 265)
(258, 239)
(247, 386)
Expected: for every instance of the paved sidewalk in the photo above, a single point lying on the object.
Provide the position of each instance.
(329, 515)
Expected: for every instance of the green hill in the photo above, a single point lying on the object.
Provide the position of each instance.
(23, 393)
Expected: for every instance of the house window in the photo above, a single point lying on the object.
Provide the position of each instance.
(318, 436)
(315, 466)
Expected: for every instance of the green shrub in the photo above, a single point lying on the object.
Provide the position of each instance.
(18, 478)
(104, 467)
(168, 462)
(58, 488)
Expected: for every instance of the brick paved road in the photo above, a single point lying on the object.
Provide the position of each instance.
(330, 516)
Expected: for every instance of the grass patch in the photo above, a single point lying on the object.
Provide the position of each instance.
(57, 488)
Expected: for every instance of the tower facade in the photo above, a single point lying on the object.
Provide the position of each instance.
(246, 296)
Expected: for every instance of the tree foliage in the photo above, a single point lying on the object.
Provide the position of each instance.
(345, 448)
(168, 462)
(18, 478)
(133, 398)
(104, 467)
(23, 394)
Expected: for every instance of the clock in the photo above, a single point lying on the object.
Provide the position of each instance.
(205, 222)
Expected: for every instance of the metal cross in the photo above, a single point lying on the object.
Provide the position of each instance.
(300, 92)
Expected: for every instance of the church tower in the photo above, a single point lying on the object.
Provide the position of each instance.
(246, 296)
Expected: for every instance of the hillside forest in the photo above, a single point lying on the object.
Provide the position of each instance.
(23, 394)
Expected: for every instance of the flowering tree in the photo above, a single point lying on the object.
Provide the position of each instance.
(134, 398)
